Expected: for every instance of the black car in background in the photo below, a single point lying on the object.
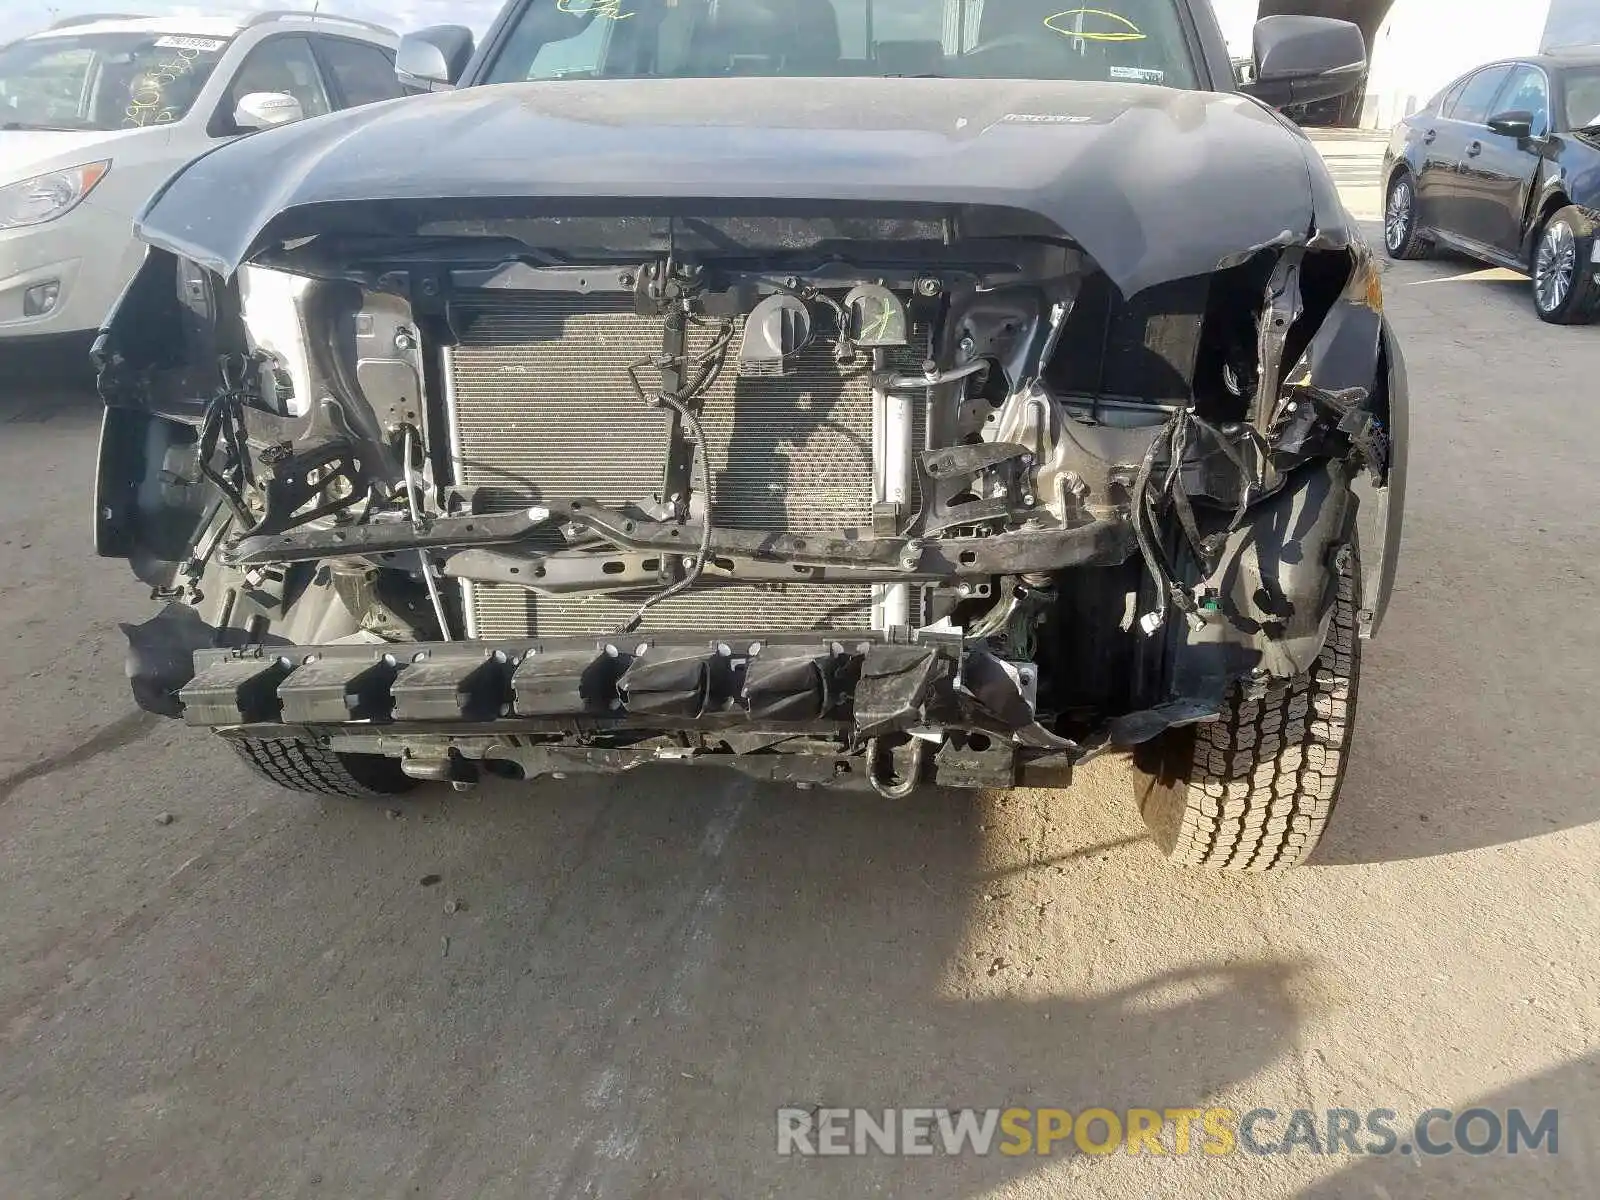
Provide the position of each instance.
(1504, 165)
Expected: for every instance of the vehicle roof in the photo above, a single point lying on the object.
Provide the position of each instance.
(221, 27)
(212, 27)
(1550, 60)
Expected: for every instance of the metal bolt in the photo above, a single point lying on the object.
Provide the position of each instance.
(791, 282)
(1028, 499)
(964, 590)
(688, 562)
(928, 287)
(968, 347)
(403, 340)
(625, 279)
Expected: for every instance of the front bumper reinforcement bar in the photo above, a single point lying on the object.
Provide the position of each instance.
(852, 687)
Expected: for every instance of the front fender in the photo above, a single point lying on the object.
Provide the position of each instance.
(1386, 504)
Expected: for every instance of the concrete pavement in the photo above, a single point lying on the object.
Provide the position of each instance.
(611, 987)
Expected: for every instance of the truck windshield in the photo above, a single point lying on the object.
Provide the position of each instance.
(103, 81)
(1118, 41)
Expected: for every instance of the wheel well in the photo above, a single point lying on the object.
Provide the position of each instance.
(1551, 207)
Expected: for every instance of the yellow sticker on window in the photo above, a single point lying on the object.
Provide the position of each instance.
(1081, 22)
(605, 10)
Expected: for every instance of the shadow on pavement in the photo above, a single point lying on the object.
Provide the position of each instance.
(625, 994)
(43, 402)
(1573, 1090)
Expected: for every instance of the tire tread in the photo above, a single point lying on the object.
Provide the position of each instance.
(1262, 781)
(306, 767)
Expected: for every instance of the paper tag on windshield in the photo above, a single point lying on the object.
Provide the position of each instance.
(1140, 74)
(204, 45)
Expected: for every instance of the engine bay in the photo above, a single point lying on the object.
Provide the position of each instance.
(952, 486)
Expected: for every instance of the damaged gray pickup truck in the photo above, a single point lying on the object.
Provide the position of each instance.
(876, 393)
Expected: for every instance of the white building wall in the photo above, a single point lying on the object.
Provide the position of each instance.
(1425, 44)
(1237, 18)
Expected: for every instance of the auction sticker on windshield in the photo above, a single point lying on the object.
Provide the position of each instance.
(204, 45)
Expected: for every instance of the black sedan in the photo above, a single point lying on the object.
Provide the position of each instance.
(1504, 165)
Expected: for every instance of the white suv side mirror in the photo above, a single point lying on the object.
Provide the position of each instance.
(262, 110)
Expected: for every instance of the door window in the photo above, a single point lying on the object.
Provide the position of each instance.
(1527, 92)
(1447, 102)
(362, 73)
(283, 64)
(1473, 104)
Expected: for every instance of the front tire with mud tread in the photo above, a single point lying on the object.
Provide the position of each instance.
(306, 767)
(1255, 790)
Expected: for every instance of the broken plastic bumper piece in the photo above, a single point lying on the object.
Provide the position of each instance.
(862, 685)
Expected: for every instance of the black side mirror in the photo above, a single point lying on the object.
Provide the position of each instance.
(434, 58)
(1301, 59)
(1517, 123)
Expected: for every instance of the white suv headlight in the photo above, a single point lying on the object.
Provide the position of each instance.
(46, 197)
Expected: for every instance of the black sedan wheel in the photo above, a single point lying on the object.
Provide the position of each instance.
(1564, 290)
(1400, 221)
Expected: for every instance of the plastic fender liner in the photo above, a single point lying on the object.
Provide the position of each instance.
(1275, 585)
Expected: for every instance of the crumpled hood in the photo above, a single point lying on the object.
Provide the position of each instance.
(1155, 184)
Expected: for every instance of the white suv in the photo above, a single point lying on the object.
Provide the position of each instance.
(97, 113)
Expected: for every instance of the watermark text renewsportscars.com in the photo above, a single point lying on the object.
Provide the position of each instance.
(1165, 1131)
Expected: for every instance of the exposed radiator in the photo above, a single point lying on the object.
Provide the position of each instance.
(542, 409)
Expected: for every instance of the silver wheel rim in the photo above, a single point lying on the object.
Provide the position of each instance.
(1556, 264)
(1397, 221)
